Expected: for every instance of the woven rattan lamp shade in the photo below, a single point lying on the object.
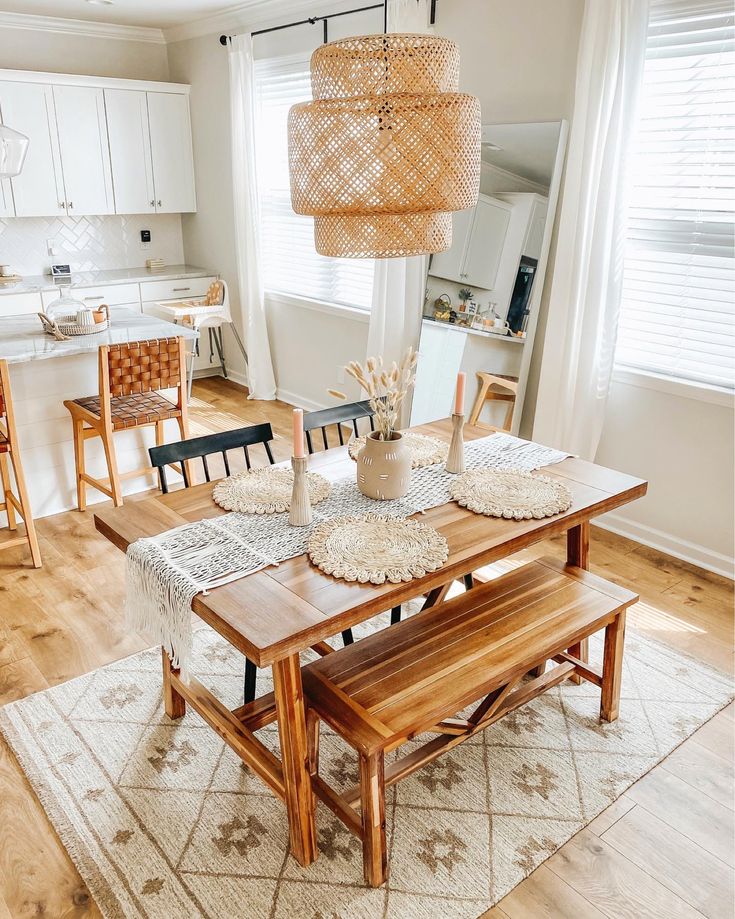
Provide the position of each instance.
(387, 149)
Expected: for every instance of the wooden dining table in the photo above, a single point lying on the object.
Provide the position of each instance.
(274, 614)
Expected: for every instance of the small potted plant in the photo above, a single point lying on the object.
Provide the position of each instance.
(384, 463)
(465, 294)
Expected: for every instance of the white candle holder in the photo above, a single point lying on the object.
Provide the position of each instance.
(300, 512)
(455, 457)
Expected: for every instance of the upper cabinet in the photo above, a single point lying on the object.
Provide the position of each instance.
(478, 237)
(85, 152)
(130, 151)
(39, 190)
(98, 146)
(173, 163)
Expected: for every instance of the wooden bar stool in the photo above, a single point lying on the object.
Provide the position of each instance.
(8, 501)
(508, 387)
(130, 377)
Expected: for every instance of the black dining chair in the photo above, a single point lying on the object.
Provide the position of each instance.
(202, 448)
(339, 416)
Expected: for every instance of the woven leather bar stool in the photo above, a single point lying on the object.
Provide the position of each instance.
(9, 502)
(131, 375)
(506, 389)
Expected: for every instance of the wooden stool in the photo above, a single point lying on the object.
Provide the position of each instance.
(9, 447)
(509, 389)
(130, 376)
(478, 647)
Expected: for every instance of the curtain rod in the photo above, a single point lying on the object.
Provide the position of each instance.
(312, 20)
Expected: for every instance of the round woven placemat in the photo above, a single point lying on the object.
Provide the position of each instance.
(265, 491)
(376, 548)
(511, 494)
(425, 451)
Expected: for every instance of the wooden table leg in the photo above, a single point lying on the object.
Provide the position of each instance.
(294, 756)
(173, 702)
(578, 553)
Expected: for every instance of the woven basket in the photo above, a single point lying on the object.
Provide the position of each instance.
(68, 325)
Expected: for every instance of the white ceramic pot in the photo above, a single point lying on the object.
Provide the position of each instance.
(384, 467)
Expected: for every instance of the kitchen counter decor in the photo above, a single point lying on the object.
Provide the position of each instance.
(265, 491)
(424, 450)
(511, 494)
(375, 548)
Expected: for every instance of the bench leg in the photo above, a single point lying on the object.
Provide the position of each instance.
(612, 668)
(372, 799)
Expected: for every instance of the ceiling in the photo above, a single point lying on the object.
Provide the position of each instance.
(528, 150)
(160, 14)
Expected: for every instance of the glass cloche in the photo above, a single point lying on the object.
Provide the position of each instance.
(64, 306)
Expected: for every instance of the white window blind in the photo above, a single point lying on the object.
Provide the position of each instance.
(678, 307)
(290, 262)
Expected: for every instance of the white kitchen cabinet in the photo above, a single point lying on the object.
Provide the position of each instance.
(29, 108)
(85, 152)
(173, 161)
(130, 151)
(478, 237)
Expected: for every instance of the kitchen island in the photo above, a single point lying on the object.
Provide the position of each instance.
(45, 372)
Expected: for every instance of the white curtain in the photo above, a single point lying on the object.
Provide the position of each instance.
(399, 283)
(261, 381)
(579, 345)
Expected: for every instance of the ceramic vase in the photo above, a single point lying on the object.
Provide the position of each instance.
(384, 467)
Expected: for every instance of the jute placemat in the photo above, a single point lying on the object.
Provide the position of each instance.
(265, 491)
(510, 494)
(376, 548)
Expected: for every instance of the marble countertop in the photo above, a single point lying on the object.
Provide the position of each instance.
(498, 336)
(22, 339)
(113, 276)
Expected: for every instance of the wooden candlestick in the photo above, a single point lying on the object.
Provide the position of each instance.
(455, 457)
(300, 512)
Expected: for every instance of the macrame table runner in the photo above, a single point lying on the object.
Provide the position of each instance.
(165, 572)
(425, 451)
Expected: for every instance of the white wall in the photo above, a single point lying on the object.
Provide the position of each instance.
(61, 52)
(684, 447)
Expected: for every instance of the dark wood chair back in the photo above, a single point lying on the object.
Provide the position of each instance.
(209, 445)
(339, 416)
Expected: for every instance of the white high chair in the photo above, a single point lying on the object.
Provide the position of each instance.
(210, 312)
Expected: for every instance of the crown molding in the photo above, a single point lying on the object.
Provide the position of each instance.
(251, 14)
(80, 27)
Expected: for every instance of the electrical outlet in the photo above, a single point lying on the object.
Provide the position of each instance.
(145, 239)
(51, 247)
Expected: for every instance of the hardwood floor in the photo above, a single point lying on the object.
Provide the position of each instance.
(665, 848)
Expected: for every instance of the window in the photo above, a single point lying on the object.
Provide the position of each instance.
(291, 264)
(678, 307)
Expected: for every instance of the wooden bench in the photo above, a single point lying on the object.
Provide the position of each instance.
(413, 677)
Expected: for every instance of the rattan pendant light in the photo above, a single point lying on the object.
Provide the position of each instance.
(387, 149)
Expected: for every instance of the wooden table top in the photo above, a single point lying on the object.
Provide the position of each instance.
(280, 610)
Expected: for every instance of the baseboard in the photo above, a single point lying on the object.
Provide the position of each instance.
(687, 551)
(293, 398)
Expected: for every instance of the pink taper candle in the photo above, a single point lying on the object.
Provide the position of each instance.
(298, 432)
(459, 393)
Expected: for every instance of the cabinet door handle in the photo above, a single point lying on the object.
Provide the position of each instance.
(62, 205)
(153, 203)
(70, 204)
(94, 298)
(159, 203)
(175, 289)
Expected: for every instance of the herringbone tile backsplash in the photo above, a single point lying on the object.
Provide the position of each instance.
(88, 243)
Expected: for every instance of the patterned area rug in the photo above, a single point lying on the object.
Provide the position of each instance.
(163, 820)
